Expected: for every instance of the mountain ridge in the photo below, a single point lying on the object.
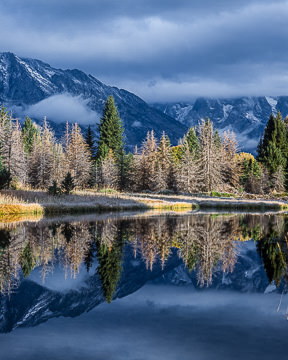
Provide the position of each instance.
(34, 88)
(26, 82)
(246, 116)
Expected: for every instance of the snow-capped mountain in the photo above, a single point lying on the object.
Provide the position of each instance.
(31, 87)
(246, 116)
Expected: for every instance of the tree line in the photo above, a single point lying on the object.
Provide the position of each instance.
(203, 161)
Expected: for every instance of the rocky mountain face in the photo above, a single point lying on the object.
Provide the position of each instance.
(33, 302)
(26, 82)
(246, 116)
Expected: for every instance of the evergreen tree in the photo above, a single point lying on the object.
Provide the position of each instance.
(5, 176)
(273, 147)
(6, 128)
(110, 132)
(54, 190)
(217, 139)
(192, 141)
(67, 184)
(29, 130)
(89, 138)
(251, 176)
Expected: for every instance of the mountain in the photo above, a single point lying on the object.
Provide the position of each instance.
(246, 116)
(32, 87)
(25, 85)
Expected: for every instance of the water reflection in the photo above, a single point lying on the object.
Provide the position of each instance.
(204, 242)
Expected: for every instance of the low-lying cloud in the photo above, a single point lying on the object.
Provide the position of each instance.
(62, 108)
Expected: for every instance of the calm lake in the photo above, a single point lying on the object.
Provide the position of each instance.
(145, 286)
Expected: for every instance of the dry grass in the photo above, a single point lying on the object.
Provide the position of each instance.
(88, 201)
(24, 202)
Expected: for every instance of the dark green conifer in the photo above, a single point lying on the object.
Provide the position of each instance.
(5, 176)
(110, 132)
(273, 147)
(192, 141)
(29, 132)
(217, 139)
(89, 139)
(67, 184)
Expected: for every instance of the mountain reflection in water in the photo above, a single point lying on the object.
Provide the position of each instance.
(120, 255)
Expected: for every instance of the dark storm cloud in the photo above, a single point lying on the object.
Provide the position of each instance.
(184, 48)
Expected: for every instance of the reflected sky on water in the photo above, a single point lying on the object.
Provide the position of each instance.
(185, 286)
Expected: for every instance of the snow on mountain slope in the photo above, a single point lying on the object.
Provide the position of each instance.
(246, 116)
(26, 84)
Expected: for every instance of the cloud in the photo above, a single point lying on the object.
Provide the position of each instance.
(62, 108)
(233, 45)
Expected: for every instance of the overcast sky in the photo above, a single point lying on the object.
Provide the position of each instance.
(162, 50)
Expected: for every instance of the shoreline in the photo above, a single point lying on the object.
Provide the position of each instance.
(38, 203)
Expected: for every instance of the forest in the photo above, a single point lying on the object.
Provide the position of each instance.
(203, 161)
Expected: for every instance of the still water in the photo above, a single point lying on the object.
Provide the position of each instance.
(145, 286)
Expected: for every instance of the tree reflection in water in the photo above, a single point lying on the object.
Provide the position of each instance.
(205, 243)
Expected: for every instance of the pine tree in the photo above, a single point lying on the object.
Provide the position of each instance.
(252, 177)
(273, 147)
(192, 141)
(29, 130)
(89, 138)
(67, 184)
(6, 128)
(217, 139)
(5, 176)
(110, 132)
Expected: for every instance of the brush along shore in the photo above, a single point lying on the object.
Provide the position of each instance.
(14, 202)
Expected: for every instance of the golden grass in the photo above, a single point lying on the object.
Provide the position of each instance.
(26, 202)
(6, 209)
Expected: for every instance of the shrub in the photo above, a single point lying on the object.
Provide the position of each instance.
(5, 178)
(67, 184)
(54, 190)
